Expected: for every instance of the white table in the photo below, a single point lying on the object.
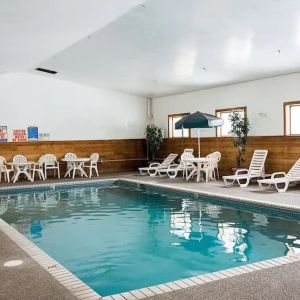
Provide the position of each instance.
(76, 164)
(21, 168)
(198, 161)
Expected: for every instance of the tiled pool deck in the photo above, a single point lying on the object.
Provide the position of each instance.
(273, 279)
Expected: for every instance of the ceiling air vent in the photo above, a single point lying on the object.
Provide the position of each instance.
(46, 70)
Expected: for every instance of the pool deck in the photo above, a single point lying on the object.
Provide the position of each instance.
(31, 281)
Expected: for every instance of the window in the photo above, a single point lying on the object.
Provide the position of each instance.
(172, 132)
(225, 114)
(291, 118)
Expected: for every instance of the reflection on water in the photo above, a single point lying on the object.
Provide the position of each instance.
(121, 238)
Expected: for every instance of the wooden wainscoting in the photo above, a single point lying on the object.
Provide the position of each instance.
(117, 155)
(283, 150)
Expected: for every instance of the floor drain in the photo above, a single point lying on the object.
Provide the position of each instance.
(13, 263)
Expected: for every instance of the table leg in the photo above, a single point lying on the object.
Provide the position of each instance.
(80, 168)
(69, 170)
(17, 173)
(192, 173)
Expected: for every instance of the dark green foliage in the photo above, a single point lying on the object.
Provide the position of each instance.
(239, 129)
(154, 137)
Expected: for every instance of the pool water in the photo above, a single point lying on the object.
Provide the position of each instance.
(118, 237)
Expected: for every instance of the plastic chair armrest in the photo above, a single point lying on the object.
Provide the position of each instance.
(242, 171)
(275, 175)
(155, 164)
(173, 166)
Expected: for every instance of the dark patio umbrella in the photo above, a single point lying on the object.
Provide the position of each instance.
(199, 120)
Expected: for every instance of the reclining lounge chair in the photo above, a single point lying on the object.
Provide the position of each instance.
(256, 170)
(281, 178)
(154, 168)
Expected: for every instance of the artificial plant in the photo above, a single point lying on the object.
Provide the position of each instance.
(154, 138)
(239, 129)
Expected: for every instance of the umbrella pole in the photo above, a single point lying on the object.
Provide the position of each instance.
(198, 142)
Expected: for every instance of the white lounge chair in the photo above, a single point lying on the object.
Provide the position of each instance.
(293, 176)
(51, 163)
(93, 164)
(154, 168)
(184, 166)
(216, 157)
(208, 167)
(38, 167)
(256, 170)
(4, 169)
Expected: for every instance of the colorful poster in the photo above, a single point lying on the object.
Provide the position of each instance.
(3, 133)
(19, 135)
(33, 133)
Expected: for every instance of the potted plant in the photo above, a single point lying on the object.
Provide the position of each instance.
(154, 138)
(239, 129)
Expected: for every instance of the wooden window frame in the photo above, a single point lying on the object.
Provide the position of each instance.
(288, 105)
(231, 109)
(176, 115)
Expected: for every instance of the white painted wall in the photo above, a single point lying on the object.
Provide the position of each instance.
(69, 111)
(260, 96)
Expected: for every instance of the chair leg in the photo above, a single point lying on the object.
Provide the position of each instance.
(97, 171)
(58, 172)
(7, 176)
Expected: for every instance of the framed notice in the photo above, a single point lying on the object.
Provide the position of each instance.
(3, 133)
(44, 136)
(33, 133)
(19, 135)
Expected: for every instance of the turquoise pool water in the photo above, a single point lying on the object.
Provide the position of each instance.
(118, 236)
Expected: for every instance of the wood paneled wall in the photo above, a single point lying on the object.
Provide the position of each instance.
(283, 150)
(117, 155)
(129, 154)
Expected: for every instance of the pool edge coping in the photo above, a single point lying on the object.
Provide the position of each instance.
(67, 279)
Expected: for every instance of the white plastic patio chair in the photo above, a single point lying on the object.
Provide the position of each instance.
(19, 169)
(183, 166)
(93, 164)
(38, 167)
(256, 170)
(154, 168)
(216, 157)
(188, 150)
(4, 169)
(51, 163)
(281, 178)
(69, 164)
(208, 167)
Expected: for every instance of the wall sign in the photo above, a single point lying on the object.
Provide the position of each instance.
(3, 133)
(33, 133)
(19, 135)
(44, 137)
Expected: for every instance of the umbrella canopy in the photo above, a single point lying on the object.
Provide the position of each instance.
(199, 120)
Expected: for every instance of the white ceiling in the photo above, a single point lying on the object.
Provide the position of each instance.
(32, 31)
(154, 47)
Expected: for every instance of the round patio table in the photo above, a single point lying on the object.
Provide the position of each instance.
(199, 161)
(21, 168)
(76, 164)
